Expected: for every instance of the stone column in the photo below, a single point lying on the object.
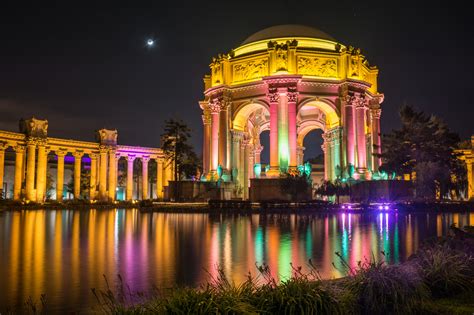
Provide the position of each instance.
(257, 151)
(103, 173)
(30, 170)
(283, 143)
(470, 178)
(77, 173)
(206, 120)
(335, 141)
(159, 178)
(93, 178)
(19, 157)
(215, 109)
(273, 99)
(145, 183)
(129, 193)
(41, 172)
(349, 128)
(251, 159)
(292, 129)
(223, 131)
(60, 174)
(375, 114)
(112, 175)
(236, 168)
(3, 146)
(300, 154)
(361, 139)
(327, 156)
(245, 184)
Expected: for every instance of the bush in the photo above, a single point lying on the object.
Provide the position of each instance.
(445, 271)
(380, 288)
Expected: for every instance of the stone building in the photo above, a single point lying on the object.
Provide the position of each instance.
(290, 80)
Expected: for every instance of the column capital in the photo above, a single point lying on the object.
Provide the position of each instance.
(215, 107)
(78, 154)
(273, 95)
(376, 113)
(61, 152)
(19, 149)
(31, 141)
(292, 95)
(206, 117)
(94, 156)
(237, 135)
(3, 146)
(145, 159)
(131, 158)
(257, 149)
(103, 149)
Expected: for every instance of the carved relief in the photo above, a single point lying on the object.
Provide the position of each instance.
(107, 136)
(273, 96)
(34, 127)
(281, 58)
(250, 70)
(321, 67)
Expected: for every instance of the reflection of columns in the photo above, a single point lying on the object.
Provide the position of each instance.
(41, 172)
(19, 157)
(129, 192)
(159, 178)
(215, 109)
(145, 194)
(93, 178)
(300, 154)
(376, 148)
(112, 175)
(361, 140)
(283, 144)
(30, 170)
(60, 174)
(273, 98)
(103, 173)
(3, 146)
(77, 174)
(349, 129)
(292, 98)
(206, 120)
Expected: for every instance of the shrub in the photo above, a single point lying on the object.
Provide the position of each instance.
(380, 288)
(445, 271)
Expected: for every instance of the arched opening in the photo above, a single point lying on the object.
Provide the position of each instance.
(9, 174)
(313, 154)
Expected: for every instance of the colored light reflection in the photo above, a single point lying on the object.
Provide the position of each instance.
(65, 253)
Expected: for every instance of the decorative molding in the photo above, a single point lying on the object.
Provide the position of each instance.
(249, 70)
(273, 95)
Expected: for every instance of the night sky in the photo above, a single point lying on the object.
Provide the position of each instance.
(84, 67)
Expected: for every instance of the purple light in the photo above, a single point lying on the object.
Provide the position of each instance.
(343, 207)
(386, 207)
(349, 207)
(380, 207)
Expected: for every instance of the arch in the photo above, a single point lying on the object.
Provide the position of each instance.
(331, 113)
(243, 112)
(306, 127)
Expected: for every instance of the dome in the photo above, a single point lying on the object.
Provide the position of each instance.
(288, 30)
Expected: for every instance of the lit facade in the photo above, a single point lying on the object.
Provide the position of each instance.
(467, 155)
(36, 154)
(290, 80)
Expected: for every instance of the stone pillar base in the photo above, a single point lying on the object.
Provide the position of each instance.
(274, 171)
(212, 176)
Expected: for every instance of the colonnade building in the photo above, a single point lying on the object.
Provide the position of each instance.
(290, 80)
(29, 157)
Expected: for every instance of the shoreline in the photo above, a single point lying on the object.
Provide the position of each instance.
(245, 207)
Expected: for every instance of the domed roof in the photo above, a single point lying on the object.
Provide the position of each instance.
(288, 30)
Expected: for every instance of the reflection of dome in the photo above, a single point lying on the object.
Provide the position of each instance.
(288, 30)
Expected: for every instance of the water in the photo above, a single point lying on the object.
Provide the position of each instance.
(64, 254)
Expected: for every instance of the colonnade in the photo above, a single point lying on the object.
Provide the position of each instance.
(31, 166)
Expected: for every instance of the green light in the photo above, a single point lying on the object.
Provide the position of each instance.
(284, 259)
(259, 246)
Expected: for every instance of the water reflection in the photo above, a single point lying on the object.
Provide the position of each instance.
(65, 253)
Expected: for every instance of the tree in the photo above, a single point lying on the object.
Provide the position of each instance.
(336, 188)
(296, 185)
(424, 147)
(178, 151)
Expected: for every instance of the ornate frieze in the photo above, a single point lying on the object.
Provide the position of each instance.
(34, 127)
(317, 66)
(250, 70)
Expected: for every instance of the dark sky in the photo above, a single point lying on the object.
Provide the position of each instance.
(85, 66)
